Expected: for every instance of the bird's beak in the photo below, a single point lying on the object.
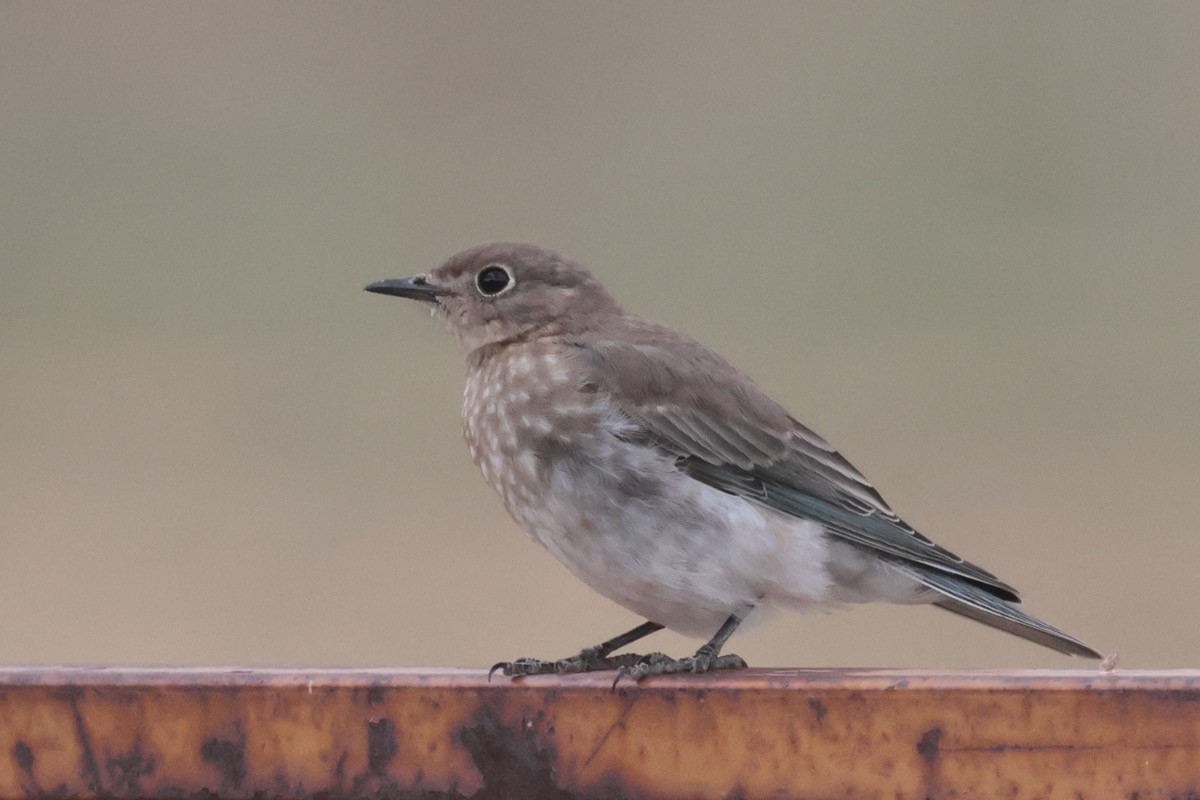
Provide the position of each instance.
(418, 288)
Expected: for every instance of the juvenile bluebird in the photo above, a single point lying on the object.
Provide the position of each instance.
(666, 479)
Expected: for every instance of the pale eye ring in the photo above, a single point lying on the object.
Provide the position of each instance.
(494, 279)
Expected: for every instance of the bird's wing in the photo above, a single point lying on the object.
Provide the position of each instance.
(726, 432)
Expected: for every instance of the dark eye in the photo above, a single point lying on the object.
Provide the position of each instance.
(493, 279)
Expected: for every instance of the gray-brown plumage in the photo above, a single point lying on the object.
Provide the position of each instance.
(665, 478)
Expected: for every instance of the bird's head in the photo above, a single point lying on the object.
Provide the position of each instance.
(503, 292)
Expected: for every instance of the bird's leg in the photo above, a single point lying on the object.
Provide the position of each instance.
(707, 657)
(590, 659)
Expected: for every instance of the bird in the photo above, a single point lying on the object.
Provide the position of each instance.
(665, 478)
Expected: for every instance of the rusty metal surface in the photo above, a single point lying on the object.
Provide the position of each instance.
(438, 735)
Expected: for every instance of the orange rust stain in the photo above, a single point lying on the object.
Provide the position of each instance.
(759, 734)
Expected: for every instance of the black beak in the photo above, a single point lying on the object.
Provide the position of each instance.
(417, 288)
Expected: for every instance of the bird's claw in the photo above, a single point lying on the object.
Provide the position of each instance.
(587, 661)
(659, 664)
(521, 667)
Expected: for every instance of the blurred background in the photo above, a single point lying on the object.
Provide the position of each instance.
(958, 239)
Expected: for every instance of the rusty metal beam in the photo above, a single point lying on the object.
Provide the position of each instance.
(443, 734)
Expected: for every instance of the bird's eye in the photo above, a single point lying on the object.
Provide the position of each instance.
(493, 279)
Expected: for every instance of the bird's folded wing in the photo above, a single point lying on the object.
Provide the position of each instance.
(726, 432)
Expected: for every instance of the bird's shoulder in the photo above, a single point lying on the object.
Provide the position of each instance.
(690, 399)
(695, 403)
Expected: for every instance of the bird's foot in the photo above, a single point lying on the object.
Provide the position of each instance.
(659, 664)
(588, 660)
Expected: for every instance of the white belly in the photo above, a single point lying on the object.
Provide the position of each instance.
(668, 547)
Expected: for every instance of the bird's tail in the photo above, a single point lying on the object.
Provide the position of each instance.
(975, 602)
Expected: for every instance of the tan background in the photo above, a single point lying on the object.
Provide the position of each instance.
(960, 240)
